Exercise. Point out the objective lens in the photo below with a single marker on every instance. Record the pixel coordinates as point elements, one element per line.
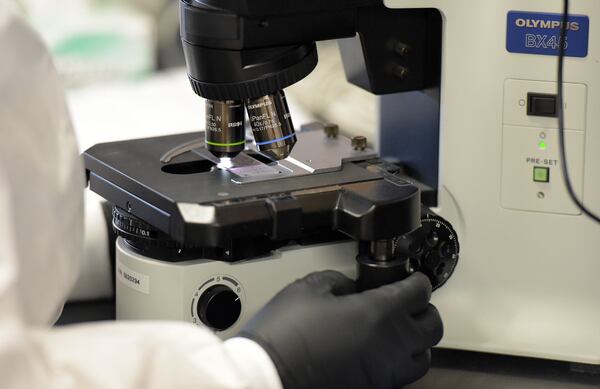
<point>225,135</point>
<point>272,125</point>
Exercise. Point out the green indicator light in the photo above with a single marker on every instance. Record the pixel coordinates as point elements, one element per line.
<point>542,145</point>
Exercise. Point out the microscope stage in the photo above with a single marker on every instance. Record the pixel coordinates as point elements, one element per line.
<point>324,186</point>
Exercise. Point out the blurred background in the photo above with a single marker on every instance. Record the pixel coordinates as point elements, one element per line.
<point>123,67</point>
<point>95,41</point>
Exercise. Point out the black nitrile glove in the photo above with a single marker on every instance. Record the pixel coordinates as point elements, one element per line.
<point>322,334</point>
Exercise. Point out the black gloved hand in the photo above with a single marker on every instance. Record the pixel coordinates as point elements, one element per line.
<point>321,334</point>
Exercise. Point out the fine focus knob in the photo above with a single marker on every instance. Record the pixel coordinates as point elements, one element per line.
<point>219,307</point>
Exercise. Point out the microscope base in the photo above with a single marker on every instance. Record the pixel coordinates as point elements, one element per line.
<point>214,293</point>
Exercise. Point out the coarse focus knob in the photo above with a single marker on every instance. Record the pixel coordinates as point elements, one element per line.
<point>219,307</point>
<point>148,240</point>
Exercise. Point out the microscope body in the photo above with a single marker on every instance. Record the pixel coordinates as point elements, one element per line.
<point>457,115</point>
<point>464,80</point>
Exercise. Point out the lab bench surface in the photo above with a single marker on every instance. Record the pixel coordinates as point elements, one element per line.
<point>451,369</point>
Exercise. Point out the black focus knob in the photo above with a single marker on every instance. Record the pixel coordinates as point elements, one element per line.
<point>432,249</point>
<point>219,307</point>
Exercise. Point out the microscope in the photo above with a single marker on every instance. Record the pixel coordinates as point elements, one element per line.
<point>213,224</point>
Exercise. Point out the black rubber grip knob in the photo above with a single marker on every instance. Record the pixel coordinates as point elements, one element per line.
<point>219,307</point>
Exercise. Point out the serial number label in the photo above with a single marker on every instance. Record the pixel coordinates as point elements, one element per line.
<point>132,279</point>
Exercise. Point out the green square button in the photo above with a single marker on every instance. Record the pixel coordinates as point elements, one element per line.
<point>541,174</point>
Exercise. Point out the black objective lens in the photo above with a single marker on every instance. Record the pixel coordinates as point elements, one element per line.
<point>225,134</point>
<point>272,125</point>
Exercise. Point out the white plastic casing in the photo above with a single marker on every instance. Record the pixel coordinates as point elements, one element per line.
<point>148,289</point>
<point>527,282</point>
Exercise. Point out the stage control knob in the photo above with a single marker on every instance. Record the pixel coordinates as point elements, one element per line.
<point>219,307</point>
<point>432,249</point>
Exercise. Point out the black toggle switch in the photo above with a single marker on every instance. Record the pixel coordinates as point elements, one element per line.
<point>540,104</point>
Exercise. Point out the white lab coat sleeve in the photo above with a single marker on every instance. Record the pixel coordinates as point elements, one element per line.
<point>41,235</point>
<point>133,355</point>
<point>139,355</point>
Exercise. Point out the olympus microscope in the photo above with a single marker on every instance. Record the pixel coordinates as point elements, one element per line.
<point>213,224</point>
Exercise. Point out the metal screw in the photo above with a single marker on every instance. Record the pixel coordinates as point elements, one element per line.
<point>401,49</point>
<point>400,72</point>
<point>331,130</point>
<point>359,143</point>
<point>541,195</point>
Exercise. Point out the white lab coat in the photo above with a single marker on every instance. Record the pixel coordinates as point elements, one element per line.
<point>41,235</point>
